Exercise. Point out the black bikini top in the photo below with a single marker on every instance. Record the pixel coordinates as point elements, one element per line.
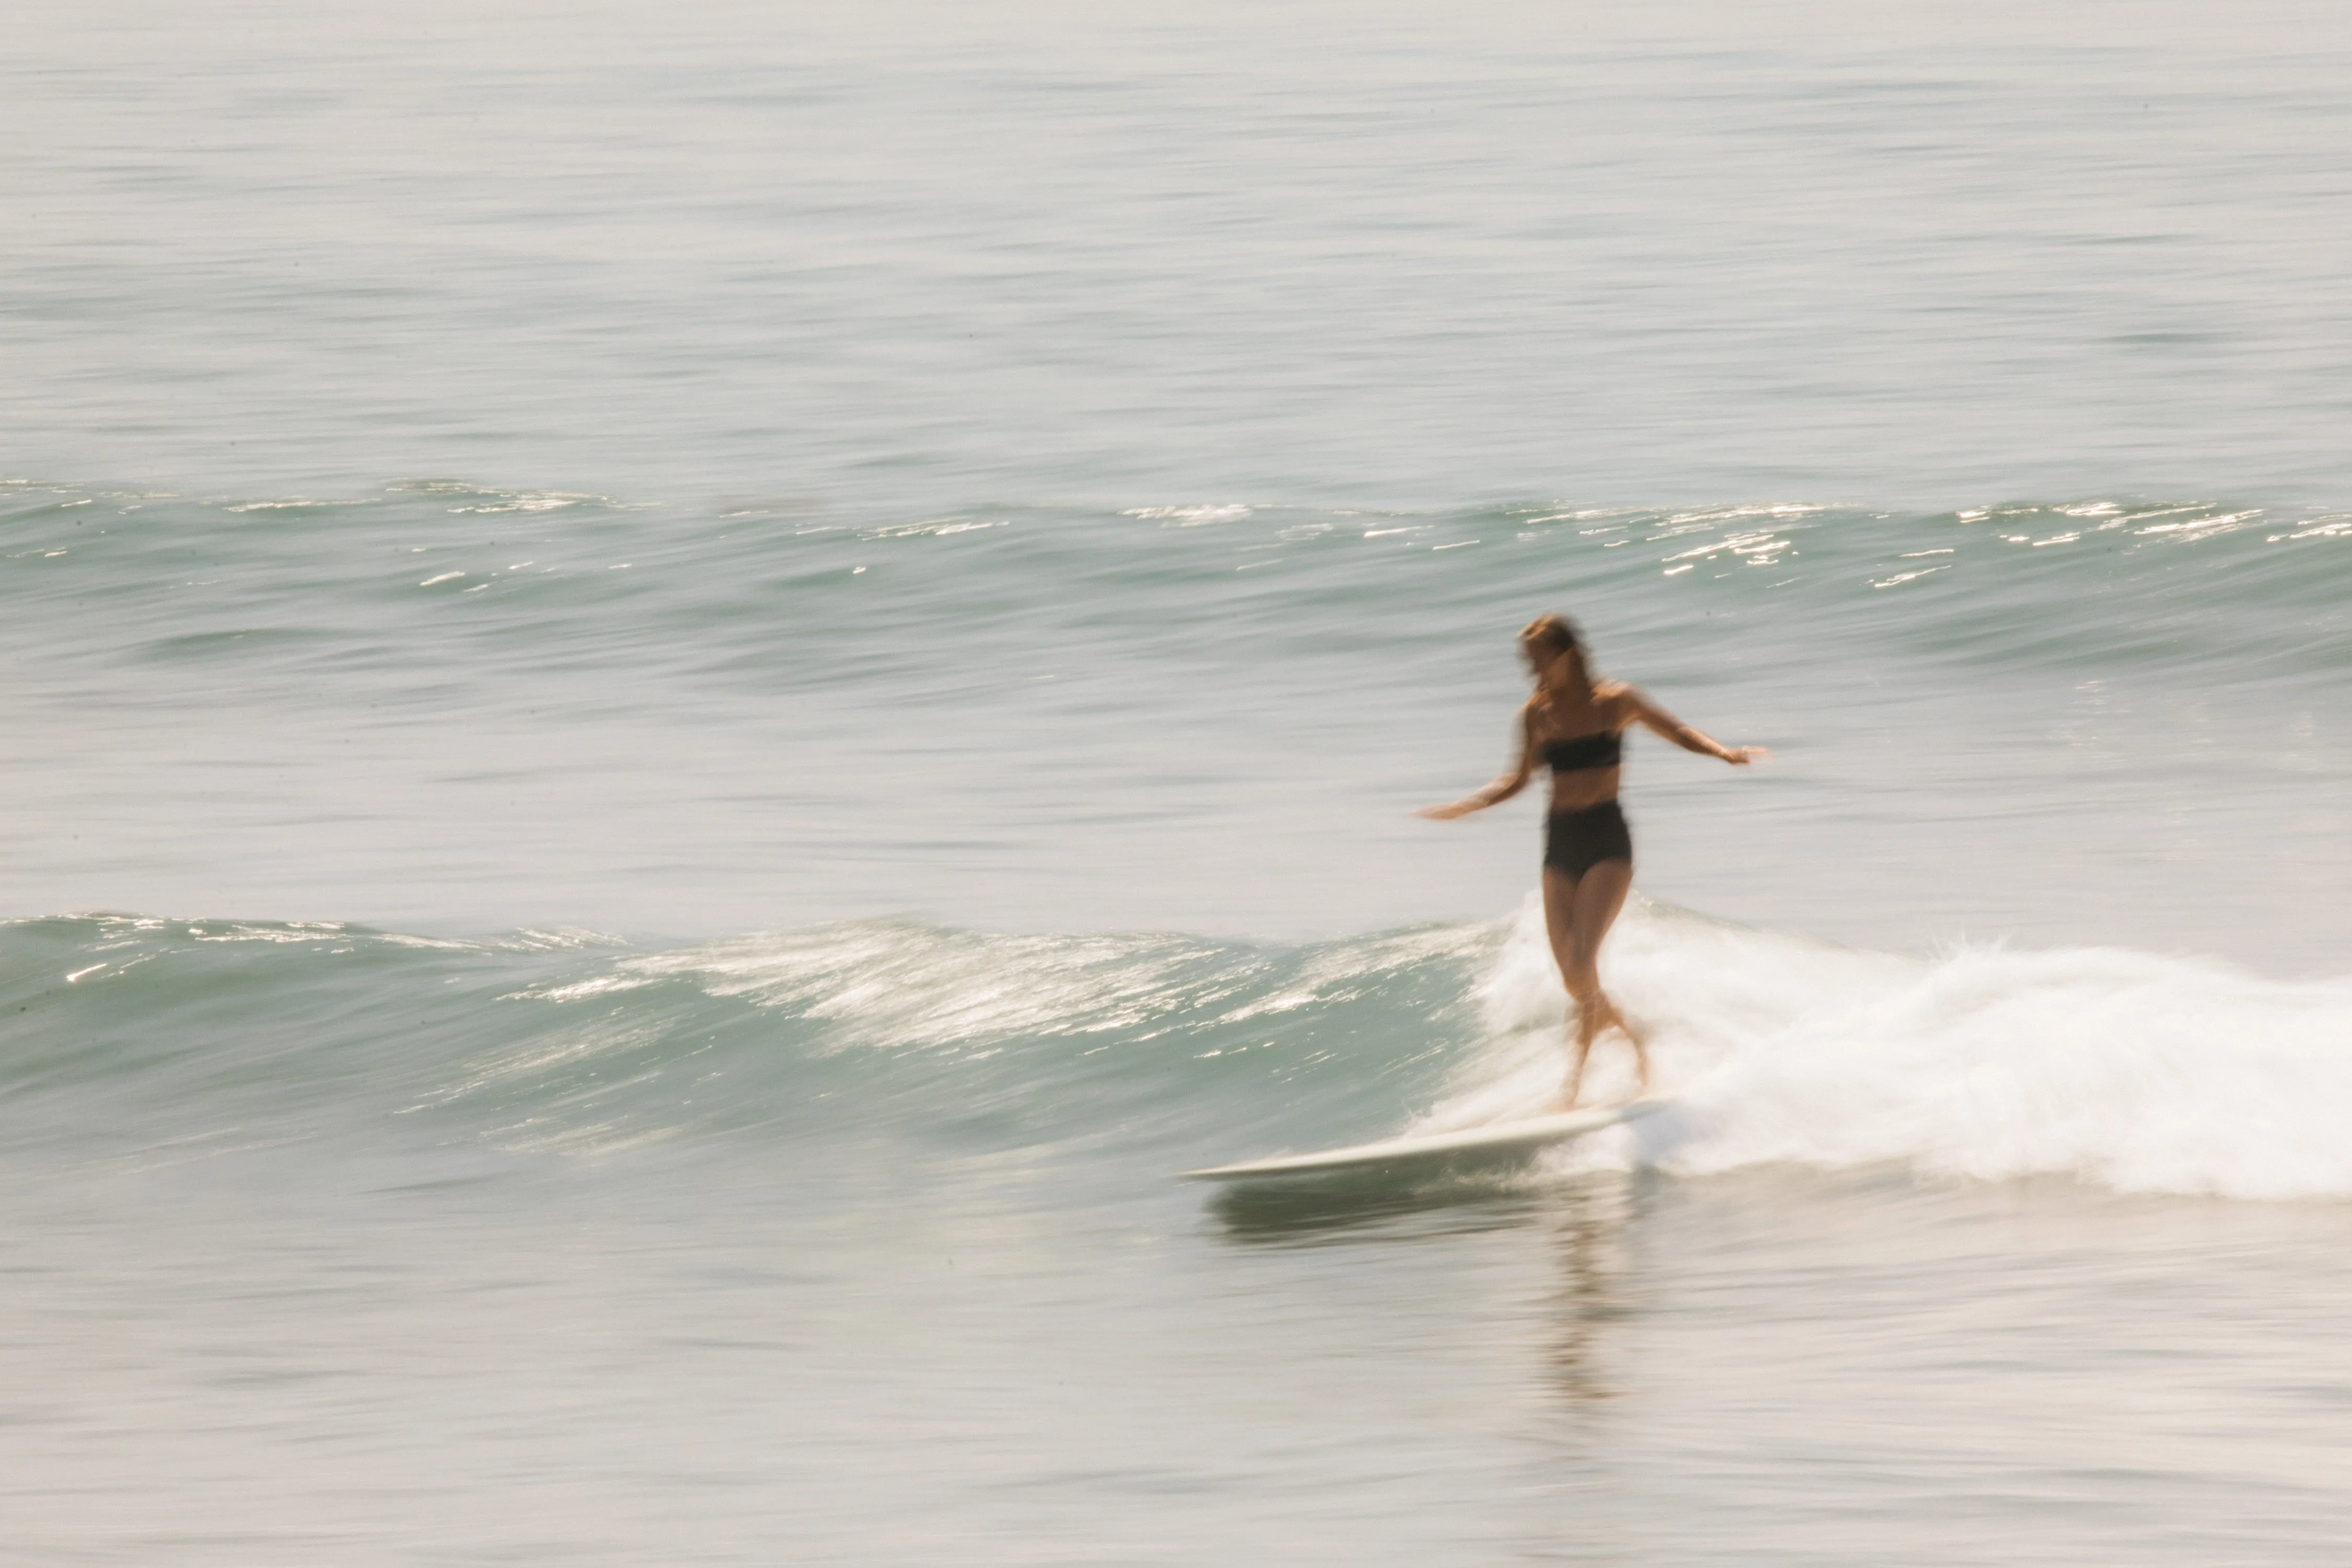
<point>1605,749</point>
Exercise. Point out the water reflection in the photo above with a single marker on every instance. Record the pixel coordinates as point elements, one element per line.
<point>1583,1277</point>
<point>1594,1285</point>
<point>1371,1207</point>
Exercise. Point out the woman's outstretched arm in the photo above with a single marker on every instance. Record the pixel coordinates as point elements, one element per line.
<point>1659,722</point>
<point>1501,788</point>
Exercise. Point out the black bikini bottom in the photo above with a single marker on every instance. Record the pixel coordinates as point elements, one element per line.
<point>1577,841</point>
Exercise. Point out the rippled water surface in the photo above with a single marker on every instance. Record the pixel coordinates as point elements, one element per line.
<point>689,691</point>
<point>1382,254</point>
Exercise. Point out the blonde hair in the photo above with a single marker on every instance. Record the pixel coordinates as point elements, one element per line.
<point>1550,636</point>
<point>1557,633</point>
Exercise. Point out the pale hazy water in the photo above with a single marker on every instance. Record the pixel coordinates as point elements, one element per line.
<point>498,506</point>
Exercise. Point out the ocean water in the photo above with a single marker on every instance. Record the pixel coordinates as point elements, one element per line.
<point>690,692</point>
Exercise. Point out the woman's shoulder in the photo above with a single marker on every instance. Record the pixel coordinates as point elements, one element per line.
<point>1618,699</point>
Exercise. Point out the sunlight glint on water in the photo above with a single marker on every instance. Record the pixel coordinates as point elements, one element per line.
<point>722,676</point>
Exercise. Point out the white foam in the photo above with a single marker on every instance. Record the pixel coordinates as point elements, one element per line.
<point>2138,1072</point>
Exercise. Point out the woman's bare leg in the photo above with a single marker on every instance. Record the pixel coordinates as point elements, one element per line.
<point>1578,913</point>
<point>1560,924</point>
<point>1600,899</point>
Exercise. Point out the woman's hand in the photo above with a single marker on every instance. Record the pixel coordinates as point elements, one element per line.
<point>1740,756</point>
<point>1501,789</point>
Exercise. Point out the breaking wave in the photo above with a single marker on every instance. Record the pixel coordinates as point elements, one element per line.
<point>139,1039</point>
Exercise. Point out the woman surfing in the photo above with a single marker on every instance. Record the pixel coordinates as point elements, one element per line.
<point>1575,725</point>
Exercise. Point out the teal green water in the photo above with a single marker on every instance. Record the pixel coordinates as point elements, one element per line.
<point>688,693</point>
<point>858,1241</point>
<point>464,711</point>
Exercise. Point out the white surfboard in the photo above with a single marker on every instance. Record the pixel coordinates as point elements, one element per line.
<point>1502,1138</point>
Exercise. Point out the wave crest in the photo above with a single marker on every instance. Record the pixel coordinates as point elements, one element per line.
<point>2134,1071</point>
<point>2138,1072</point>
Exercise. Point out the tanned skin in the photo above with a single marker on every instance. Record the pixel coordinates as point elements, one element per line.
<point>1569,704</point>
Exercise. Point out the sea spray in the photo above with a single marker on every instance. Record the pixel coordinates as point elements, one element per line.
<point>2134,1071</point>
